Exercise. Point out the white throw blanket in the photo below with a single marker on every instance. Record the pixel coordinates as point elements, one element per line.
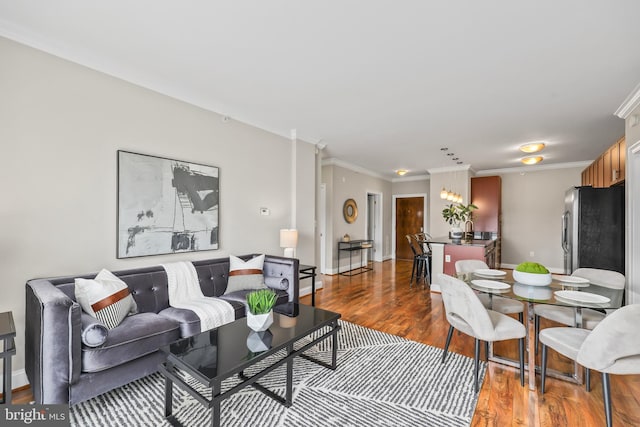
<point>185,292</point>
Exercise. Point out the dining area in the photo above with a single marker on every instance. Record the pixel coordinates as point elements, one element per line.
<point>565,326</point>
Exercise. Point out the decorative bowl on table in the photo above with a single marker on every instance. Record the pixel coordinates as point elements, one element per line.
<point>532,274</point>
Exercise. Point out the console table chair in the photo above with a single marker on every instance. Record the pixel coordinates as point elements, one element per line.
<point>467,314</point>
<point>611,348</point>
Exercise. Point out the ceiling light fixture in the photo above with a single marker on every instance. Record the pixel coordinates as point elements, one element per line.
<point>532,160</point>
<point>533,147</point>
<point>401,172</point>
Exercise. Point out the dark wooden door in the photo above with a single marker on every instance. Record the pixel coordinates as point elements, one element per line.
<point>409,220</point>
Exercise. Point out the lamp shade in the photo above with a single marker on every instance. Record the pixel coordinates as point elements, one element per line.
<point>288,238</point>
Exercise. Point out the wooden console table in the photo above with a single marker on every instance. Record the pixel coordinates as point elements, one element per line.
<point>7,335</point>
<point>355,245</point>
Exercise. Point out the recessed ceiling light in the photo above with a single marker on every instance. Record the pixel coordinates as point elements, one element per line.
<point>534,147</point>
<point>531,160</point>
<point>402,172</point>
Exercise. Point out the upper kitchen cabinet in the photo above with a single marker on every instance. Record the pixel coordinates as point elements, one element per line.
<point>486,194</point>
<point>608,169</point>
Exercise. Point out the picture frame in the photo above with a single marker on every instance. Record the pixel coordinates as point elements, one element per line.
<point>166,206</point>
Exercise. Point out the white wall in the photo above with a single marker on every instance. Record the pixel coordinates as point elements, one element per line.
<point>459,181</point>
<point>60,127</point>
<point>532,206</point>
<point>343,184</point>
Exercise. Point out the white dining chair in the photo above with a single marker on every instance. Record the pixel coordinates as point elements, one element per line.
<point>493,302</point>
<point>611,348</point>
<point>567,315</point>
<point>467,314</point>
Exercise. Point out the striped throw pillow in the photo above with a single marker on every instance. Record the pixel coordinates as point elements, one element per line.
<point>244,275</point>
<point>105,298</point>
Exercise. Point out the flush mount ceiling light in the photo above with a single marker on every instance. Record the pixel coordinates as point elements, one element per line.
<point>534,147</point>
<point>532,160</point>
<point>401,172</point>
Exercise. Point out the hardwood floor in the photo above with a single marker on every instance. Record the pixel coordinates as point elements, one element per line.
<point>383,300</point>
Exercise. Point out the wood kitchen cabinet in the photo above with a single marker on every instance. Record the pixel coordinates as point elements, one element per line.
<point>609,168</point>
<point>486,194</point>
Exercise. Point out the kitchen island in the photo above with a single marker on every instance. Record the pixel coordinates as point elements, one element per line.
<point>446,251</point>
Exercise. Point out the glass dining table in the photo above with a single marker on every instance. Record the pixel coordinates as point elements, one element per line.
<point>564,291</point>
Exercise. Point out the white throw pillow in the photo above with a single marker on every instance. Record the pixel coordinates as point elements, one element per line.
<point>106,298</point>
<point>245,275</point>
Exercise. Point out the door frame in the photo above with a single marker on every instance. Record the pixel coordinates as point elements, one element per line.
<point>322,227</point>
<point>377,239</point>
<point>425,217</point>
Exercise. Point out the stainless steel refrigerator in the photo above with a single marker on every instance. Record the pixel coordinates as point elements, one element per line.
<point>593,228</point>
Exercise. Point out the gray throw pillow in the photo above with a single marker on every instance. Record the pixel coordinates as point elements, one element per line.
<point>279,283</point>
<point>94,332</point>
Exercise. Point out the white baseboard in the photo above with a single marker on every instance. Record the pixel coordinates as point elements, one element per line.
<point>345,268</point>
<point>18,379</point>
<point>307,289</point>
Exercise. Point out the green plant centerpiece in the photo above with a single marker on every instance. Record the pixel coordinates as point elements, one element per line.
<point>260,309</point>
<point>456,214</point>
<point>532,274</point>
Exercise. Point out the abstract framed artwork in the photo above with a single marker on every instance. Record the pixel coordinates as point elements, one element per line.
<point>166,206</point>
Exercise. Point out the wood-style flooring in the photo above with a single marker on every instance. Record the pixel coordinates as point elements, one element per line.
<point>382,299</point>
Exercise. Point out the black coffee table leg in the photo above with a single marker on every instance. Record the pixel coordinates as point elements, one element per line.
<point>168,393</point>
<point>215,407</point>
<point>289,392</point>
<point>334,350</point>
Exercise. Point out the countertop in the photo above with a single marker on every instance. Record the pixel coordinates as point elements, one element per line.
<point>461,242</point>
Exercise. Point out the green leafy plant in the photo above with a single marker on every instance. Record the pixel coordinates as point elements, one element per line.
<point>532,267</point>
<point>457,213</point>
<point>261,301</point>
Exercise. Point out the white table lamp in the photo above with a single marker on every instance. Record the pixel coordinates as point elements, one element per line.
<point>289,241</point>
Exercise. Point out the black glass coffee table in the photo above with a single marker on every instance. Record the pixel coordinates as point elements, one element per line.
<point>216,355</point>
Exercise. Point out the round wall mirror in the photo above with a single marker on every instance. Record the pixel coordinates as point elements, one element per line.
<point>350,211</point>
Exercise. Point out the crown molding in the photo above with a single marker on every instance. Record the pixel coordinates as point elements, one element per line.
<point>534,168</point>
<point>629,104</point>
<point>411,178</point>
<point>355,168</point>
<point>450,169</point>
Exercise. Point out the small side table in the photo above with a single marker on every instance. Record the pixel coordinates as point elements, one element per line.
<point>7,335</point>
<point>309,272</point>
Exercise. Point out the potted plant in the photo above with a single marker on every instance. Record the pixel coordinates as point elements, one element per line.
<point>456,214</point>
<point>260,309</point>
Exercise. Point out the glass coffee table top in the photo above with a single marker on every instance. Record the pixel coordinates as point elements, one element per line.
<point>231,348</point>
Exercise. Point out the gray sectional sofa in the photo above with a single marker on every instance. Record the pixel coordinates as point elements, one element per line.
<point>62,369</point>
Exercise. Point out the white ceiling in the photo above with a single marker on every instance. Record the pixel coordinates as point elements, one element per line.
<point>384,84</point>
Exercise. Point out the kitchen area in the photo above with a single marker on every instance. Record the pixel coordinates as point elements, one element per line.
<point>521,216</point>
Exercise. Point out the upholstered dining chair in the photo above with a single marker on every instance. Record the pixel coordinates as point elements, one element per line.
<point>611,348</point>
<point>567,315</point>
<point>420,261</point>
<point>496,303</point>
<point>467,314</point>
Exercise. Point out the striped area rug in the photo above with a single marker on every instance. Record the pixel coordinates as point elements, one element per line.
<point>381,380</point>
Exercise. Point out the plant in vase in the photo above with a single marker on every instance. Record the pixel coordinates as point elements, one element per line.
<point>260,309</point>
<point>456,214</point>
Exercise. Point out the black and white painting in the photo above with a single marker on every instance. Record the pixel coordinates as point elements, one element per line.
<point>166,206</point>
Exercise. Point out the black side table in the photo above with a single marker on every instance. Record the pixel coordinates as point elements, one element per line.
<point>7,335</point>
<point>309,272</point>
